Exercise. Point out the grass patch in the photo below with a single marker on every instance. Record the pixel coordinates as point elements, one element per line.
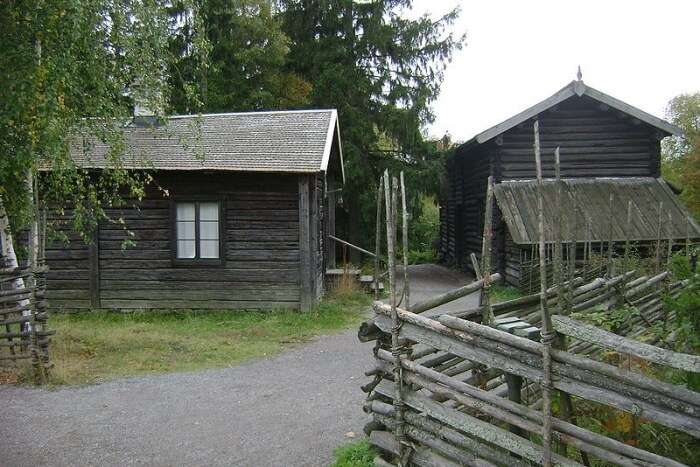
<point>91,347</point>
<point>357,454</point>
<point>502,293</point>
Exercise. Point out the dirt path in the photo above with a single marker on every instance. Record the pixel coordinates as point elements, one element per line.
<point>264,413</point>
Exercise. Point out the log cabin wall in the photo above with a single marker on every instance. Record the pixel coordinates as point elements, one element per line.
<point>462,211</point>
<point>261,249</point>
<point>594,140</point>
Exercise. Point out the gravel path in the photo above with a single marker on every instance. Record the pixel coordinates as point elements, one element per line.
<point>267,412</point>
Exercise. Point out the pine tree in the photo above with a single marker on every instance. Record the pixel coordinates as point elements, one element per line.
<point>382,71</point>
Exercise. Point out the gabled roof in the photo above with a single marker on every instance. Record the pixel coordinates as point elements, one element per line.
<point>591,196</point>
<point>575,88</point>
<point>296,141</point>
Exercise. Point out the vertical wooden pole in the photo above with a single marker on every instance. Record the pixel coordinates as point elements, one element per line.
<point>390,191</point>
<point>487,317</point>
<point>304,245</point>
<point>657,263</point>
<point>330,230</point>
<point>611,233</point>
<point>547,334</point>
<point>404,209</point>
<point>669,254</point>
<point>378,239</point>
<point>628,233</point>
<point>687,239</point>
<point>314,225</point>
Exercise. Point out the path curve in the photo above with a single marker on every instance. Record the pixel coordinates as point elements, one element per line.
<point>289,410</point>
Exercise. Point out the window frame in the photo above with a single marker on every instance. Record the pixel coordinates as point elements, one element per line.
<point>197,261</point>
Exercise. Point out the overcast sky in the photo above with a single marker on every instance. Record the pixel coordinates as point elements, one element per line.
<point>520,52</point>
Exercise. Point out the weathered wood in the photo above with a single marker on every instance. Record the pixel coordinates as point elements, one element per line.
<point>487,316</point>
<point>305,272</point>
<point>576,375</point>
<point>606,339</point>
<point>422,457</point>
<point>378,239</point>
<point>452,295</point>
<point>447,433</point>
<point>546,323</point>
<point>563,427</point>
<point>404,229</point>
<point>354,247</point>
<point>473,426</point>
<point>95,269</point>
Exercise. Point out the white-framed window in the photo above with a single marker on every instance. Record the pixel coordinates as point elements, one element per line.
<point>198,228</point>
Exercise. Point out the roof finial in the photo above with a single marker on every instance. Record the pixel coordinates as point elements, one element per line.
<point>579,75</point>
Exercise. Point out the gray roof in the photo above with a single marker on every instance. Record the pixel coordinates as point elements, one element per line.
<point>297,141</point>
<point>575,88</point>
<point>518,202</point>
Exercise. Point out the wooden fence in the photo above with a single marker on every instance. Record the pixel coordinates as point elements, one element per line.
<point>23,315</point>
<point>453,380</point>
<point>478,386</point>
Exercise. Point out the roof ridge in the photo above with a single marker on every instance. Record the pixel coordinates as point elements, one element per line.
<point>251,112</point>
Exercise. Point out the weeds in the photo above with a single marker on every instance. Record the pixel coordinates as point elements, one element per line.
<point>358,454</point>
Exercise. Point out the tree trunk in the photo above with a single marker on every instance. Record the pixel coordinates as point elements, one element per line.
<point>8,255</point>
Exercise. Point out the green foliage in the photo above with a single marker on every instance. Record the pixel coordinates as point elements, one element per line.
<point>686,306</point>
<point>75,67</point>
<point>358,454</point>
<point>381,70</point>
<point>502,293</point>
<point>610,320</point>
<point>681,155</point>
<point>247,58</point>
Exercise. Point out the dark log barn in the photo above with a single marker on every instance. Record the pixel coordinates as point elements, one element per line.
<point>605,144</point>
<point>238,216</point>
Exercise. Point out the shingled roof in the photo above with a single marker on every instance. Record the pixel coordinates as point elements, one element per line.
<point>518,202</point>
<point>298,141</point>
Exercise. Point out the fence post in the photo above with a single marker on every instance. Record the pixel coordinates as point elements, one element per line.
<point>378,239</point>
<point>547,334</point>
<point>406,288</point>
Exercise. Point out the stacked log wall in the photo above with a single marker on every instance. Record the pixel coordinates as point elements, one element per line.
<point>594,141</point>
<point>261,250</point>
<point>69,259</point>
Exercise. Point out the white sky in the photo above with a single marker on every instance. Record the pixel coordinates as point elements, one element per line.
<point>520,52</point>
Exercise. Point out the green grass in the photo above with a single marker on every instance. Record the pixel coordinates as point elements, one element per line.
<point>502,293</point>
<point>358,454</point>
<point>91,347</point>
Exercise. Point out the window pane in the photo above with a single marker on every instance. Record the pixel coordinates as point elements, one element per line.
<point>209,211</point>
<point>185,230</point>
<point>185,212</point>
<point>208,230</point>
<point>209,249</point>
<point>185,248</point>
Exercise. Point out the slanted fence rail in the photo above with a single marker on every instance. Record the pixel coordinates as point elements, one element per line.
<point>478,386</point>
<point>459,412</point>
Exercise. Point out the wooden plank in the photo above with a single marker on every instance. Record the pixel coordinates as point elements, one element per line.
<point>305,271</point>
<point>588,333</point>
<point>196,304</point>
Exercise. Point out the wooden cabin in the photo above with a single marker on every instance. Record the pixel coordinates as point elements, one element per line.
<point>606,146</point>
<point>237,217</point>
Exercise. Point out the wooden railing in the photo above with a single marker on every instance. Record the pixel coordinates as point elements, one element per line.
<point>459,410</point>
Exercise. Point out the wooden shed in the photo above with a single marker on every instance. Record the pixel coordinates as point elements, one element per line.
<point>605,145</point>
<point>238,216</point>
